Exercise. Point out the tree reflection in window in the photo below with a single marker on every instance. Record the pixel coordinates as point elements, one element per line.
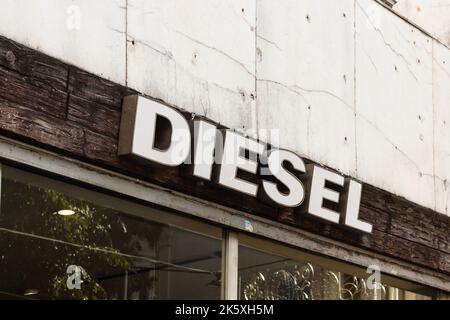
<point>121,256</point>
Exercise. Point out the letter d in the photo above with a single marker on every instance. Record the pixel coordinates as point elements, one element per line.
<point>140,135</point>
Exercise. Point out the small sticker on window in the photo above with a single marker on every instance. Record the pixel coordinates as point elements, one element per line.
<point>248,226</point>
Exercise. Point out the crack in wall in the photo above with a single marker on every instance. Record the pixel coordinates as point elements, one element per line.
<point>284,86</point>
<point>371,124</point>
<point>273,43</point>
<point>169,56</point>
<point>223,53</point>
<point>387,44</point>
<point>146,44</point>
<point>241,17</point>
<point>302,89</point>
<point>370,59</point>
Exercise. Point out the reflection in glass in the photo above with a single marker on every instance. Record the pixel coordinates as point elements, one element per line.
<point>265,276</point>
<point>120,255</point>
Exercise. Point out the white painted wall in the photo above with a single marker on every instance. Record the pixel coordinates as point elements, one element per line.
<point>305,84</point>
<point>347,83</point>
<point>431,15</point>
<point>441,102</point>
<point>394,123</point>
<point>197,55</point>
<point>89,34</point>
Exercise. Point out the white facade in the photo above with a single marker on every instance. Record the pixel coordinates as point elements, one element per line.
<point>431,15</point>
<point>348,83</point>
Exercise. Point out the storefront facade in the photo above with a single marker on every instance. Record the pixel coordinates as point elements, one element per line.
<point>91,208</point>
<point>137,241</point>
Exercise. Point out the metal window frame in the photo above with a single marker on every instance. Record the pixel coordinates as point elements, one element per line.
<point>13,152</point>
<point>230,253</point>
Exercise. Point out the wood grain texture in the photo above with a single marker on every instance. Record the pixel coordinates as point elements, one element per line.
<point>59,107</point>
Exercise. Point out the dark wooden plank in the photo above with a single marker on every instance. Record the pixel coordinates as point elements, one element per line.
<point>30,63</point>
<point>400,217</point>
<point>380,242</point>
<point>94,116</point>
<point>35,126</point>
<point>97,90</point>
<point>95,103</point>
<point>423,225</point>
<point>34,98</point>
<point>32,93</point>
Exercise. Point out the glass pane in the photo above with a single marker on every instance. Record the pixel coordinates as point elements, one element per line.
<point>59,241</point>
<point>266,276</point>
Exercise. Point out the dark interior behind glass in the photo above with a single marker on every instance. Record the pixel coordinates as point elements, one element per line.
<point>118,255</point>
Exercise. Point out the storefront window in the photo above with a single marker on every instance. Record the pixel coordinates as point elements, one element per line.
<point>264,275</point>
<point>59,241</point>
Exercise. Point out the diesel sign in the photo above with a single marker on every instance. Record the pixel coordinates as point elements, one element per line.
<point>157,133</point>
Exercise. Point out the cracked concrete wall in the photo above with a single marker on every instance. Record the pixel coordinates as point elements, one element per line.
<point>306,78</point>
<point>197,55</point>
<point>346,83</point>
<point>431,15</point>
<point>441,104</point>
<point>394,107</point>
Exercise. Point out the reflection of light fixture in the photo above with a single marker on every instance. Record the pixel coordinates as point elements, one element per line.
<point>31,292</point>
<point>66,212</point>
